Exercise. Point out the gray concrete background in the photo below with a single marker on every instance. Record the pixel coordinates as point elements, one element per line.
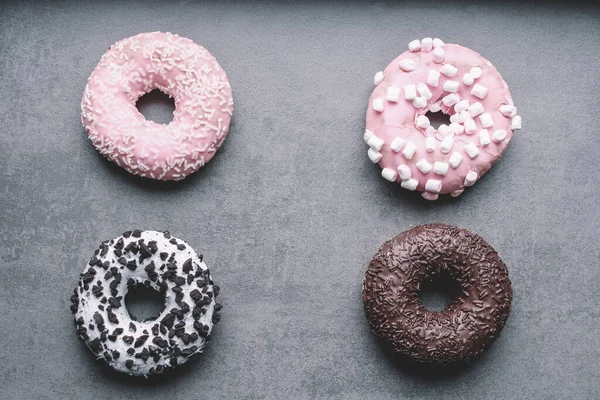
<point>290,210</point>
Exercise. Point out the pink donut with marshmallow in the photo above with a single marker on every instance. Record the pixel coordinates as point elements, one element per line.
<point>434,76</point>
<point>178,67</point>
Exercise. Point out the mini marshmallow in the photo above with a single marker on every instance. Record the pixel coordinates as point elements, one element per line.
<point>454,117</point>
<point>420,102</point>
<point>424,165</point>
<point>393,94</point>
<point>430,131</point>
<point>423,122</point>
<point>468,79</point>
<point>433,78</point>
<point>471,178</point>
<point>437,43</point>
<point>378,78</point>
<point>451,86</point>
<point>484,137</point>
<point>430,196</point>
<point>409,150</point>
<point>456,128</point>
<point>507,110</point>
<point>374,156</point>
<point>470,127</point>
<point>404,172</point>
<point>479,91</point>
<point>475,109</point>
<point>397,144</point>
<point>439,55</point>
<point>410,92</point>
<point>375,143</point>
<point>486,120</point>
<point>389,174</point>
<point>450,99</point>
<point>415,45</point>
<point>447,144</point>
<point>455,159</point>
<point>462,105</point>
<point>444,130</point>
<point>433,185</point>
<point>378,105</point>
<point>475,72</point>
<point>410,184</point>
<point>515,122</point>
<point>435,107</point>
<point>426,44</point>
<point>464,116</point>
<point>430,144</point>
<point>456,193</point>
<point>449,70</point>
<point>424,91</point>
<point>499,136</point>
<point>440,168</point>
<point>471,150</point>
<point>407,65</point>
<point>368,135</point>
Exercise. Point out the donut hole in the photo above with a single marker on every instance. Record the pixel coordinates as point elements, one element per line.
<point>438,292</point>
<point>156,106</point>
<point>437,118</point>
<point>144,303</point>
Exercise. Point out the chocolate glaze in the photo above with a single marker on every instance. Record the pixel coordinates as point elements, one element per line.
<point>469,324</point>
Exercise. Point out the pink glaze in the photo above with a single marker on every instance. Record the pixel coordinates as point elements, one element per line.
<point>176,66</point>
<point>398,119</point>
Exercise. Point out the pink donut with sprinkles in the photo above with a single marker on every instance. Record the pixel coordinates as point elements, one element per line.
<point>181,69</point>
<point>434,76</point>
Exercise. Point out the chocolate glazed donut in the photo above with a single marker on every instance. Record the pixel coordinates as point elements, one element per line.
<point>468,325</point>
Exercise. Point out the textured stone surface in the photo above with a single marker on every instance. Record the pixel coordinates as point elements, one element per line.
<point>290,211</point>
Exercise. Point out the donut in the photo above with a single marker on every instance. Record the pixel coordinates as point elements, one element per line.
<point>430,77</point>
<point>181,69</point>
<point>468,325</point>
<point>161,262</point>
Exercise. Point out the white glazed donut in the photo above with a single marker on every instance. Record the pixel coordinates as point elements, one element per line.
<point>159,261</point>
<point>178,67</point>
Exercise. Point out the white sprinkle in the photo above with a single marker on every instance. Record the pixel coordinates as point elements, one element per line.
<point>476,72</point>
<point>456,128</point>
<point>449,70</point>
<point>447,144</point>
<point>499,136</point>
<point>486,120</point>
<point>430,196</point>
<point>470,127</point>
<point>451,86</point>
<point>424,91</point>
<point>375,143</point>
<point>378,78</point>
<point>440,168</point>
<point>468,79</point>
<point>430,144</point>
<point>484,137</point>
<point>368,135</point>
<point>438,55</point>
<point>410,92</point>
<point>410,184</point>
<point>415,45</point>
<point>515,122</point>
<point>404,172</point>
<point>407,64</point>
<point>433,78</point>
<point>457,193</point>
<point>393,94</point>
<point>389,174</point>
<point>471,150</point>
<point>471,178</point>
<point>437,43</point>
<point>426,44</point>
<point>423,122</point>
<point>455,159</point>
<point>444,130</point>
<point>475,109</point>
<point>397,144</point>
<point>461,106</point>
<point>424,166</point>
<point>450,99</point>
<point>378,105</point>
<point>508,110</point>
<point>435,107</point>
<point>479,91</point>
<point>420,102</point>
<point>433,185</point>
<point>374,156</point>
<point>409,150</point>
